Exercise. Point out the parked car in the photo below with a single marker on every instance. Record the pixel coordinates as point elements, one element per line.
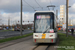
<point>1,28</point>
<point>4,28</point>
<point>18,29</point>
<point>11,28</point>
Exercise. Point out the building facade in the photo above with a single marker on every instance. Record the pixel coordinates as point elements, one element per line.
<point>62,15</point>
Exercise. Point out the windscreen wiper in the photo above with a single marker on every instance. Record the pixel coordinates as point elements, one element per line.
<point>46,30</point>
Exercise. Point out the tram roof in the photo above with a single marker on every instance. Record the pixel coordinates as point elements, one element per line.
<point>45,11</point>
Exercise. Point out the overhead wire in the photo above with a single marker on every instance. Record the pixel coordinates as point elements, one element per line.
<point>48,9</point>
<point>50,2</point>
<point>30,5</point>
<point>39,4</point>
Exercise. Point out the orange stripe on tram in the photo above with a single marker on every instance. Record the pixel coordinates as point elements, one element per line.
<point>43,36</point>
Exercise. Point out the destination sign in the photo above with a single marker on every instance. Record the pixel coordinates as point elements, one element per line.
<point>43,16</point>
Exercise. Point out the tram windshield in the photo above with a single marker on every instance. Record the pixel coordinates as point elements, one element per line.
<point>43,23</point>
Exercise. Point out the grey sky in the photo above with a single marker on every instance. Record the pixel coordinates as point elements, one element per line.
<point>11,8</point>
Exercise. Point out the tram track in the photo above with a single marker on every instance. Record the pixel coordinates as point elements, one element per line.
<point>42,47</point>
<point>46,46</point>
<point>35,47</point>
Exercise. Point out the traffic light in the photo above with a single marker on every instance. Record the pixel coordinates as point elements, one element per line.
<point>23,21</point>
<point>18,21</point>
<point>28,21</point>
<point>33,21</point>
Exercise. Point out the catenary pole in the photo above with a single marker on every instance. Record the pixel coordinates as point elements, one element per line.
<point>67,18</point>
<point>21,19</point>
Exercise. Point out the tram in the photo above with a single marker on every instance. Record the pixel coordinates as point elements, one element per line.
<point>45,30</point>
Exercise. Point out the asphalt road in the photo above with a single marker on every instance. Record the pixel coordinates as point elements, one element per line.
<point>26,44</point>
<point>13,33</point>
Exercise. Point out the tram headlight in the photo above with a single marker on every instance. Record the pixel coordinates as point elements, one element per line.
<point>36,35</point>
<point>50,35</point>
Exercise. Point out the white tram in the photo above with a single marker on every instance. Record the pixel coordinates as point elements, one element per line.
<point>45,30</point>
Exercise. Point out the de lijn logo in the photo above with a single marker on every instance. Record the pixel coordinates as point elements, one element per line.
<point>38,17</point>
